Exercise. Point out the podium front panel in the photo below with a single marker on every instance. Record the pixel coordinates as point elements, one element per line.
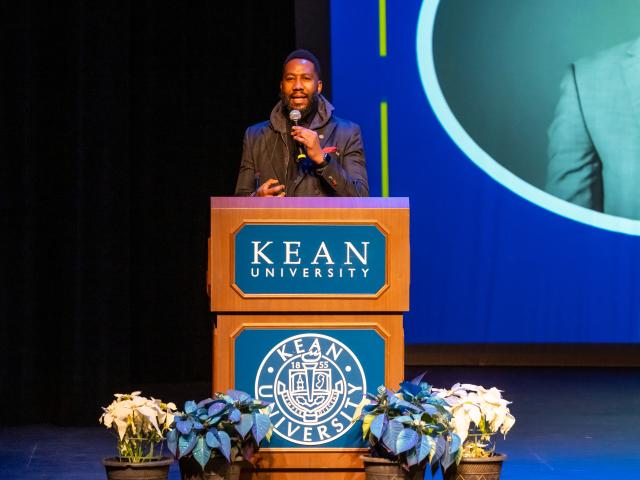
<point>309,255</point>
<point>314,370</point>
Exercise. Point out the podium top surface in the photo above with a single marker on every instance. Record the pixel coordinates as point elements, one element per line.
<point>309,202</point>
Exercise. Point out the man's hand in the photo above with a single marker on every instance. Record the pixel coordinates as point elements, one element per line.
<point>309,138</point>
<point>270,188</point>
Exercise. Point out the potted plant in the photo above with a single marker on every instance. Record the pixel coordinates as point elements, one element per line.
<point>139,424</point>
<point>211,437</point>
<point>478,415</point>
<point>406,430</point>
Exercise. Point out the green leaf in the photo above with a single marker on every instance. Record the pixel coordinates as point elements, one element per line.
<point>216,408</point>
<point>172,441</point>
<point>190,407</point>
<point>239,396</point>
<point>390,435</point>
<point>409,389</point>
<point>435,400</point>
<point>186,443</point>
<point>225,445</point>
<point>234,415</point>
<point>441,446</point>
<point>366,424</point>
<point>418,380</point>
<point>201,452</point>
<point>244,425</point>
<point>212,439</point>
<point>405,405</point>
<point>430,409</point>
<point>412,458</point>
<point>404,419</point>
<point>378,425</point>
<point>455,443</point>
<point>424,447</point>
<point>184,426</point>
<point>407,439</point>
<point>448,458</point>
<point>197,426</point>
<point>203,403</point>
<point>261,424</point>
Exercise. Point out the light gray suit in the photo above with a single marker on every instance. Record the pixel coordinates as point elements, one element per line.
<point>594,140</point>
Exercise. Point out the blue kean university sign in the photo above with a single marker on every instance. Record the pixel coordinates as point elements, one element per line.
<point>310,259</point>
<point>313,380</point>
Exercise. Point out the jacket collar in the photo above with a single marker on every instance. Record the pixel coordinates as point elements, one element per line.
<point>320,119</point>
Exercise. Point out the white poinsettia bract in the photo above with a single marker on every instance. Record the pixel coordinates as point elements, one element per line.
<point>138,422</point>
<point>477,414</point>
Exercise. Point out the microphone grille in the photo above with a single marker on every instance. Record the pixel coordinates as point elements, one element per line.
<point>295,115</point>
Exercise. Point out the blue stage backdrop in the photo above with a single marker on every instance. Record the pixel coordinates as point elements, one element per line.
<point>494,257</point>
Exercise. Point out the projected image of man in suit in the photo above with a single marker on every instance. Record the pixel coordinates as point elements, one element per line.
<point>594,139</point>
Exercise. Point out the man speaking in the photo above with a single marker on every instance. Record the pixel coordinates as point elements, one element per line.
<point>303,150</point>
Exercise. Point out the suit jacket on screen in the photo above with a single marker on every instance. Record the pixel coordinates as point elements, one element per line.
<point>594,140</point>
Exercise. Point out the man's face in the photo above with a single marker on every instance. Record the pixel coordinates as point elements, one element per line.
<point>300,85</point>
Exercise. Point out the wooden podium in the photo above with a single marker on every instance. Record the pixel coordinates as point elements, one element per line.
<point>309,295</point>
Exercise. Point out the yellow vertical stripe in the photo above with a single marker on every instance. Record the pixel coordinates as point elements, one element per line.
<point>384,148</point>
<point>382,27</point>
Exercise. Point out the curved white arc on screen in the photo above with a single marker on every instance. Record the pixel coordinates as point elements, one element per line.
<point>431,86</point>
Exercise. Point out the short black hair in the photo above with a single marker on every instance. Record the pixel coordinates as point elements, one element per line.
<point>306,55</point>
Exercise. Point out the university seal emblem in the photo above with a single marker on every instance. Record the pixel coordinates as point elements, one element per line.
<point>314,383</point>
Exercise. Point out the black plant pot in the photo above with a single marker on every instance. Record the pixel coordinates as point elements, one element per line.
<point>217,468</point>
<point>487,468</point>
<point>152,470</point>
<point>383,469</point>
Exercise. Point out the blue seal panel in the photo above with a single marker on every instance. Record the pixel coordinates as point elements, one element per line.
<point>313,380</point>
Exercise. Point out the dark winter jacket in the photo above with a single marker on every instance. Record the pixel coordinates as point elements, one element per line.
<point>267,153</point>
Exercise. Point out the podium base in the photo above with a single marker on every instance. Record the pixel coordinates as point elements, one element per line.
<point>291,463</point>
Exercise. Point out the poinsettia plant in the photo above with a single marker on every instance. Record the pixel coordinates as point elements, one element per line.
<point>231,425</point>
<point>139,423</point>
<point>409,426</point>
<point>477,415</point>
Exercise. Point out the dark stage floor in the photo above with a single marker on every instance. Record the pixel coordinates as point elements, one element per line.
<point>572,424</point>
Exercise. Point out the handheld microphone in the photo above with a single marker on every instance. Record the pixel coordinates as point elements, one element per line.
<point>295,116</point>
<point>257,179</point>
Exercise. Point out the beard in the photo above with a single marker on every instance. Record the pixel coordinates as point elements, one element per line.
<point>311,107</point>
